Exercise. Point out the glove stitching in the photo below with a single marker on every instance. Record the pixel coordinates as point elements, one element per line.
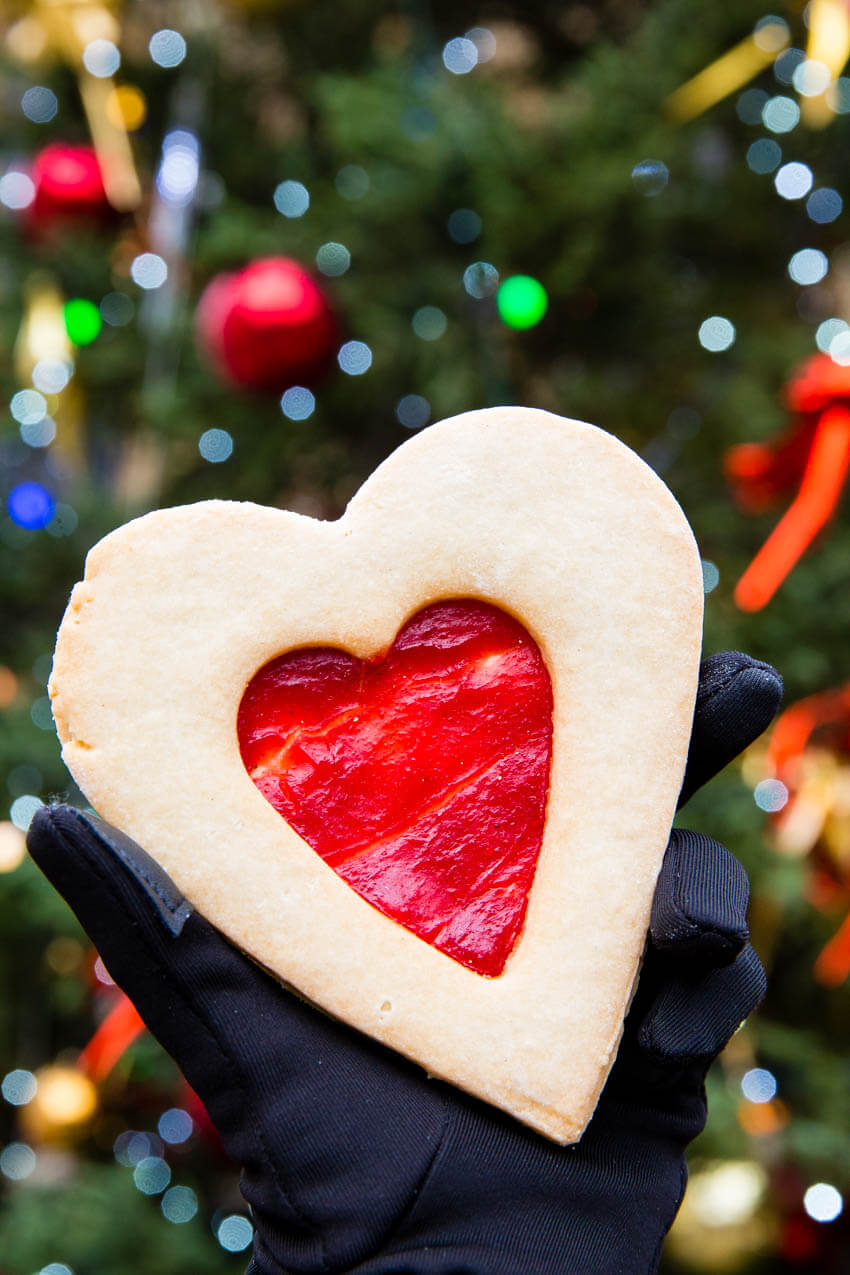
<point>417,1193</point>
<point>169,978</point>
<point>132,866</point>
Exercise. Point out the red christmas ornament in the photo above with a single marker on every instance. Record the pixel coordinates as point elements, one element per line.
<point>68,188</point>
<point>267,326</point>
<point>814,454</point>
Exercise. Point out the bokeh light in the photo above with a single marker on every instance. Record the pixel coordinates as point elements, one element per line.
<point>291,198</point>
<point>28,407</point>
<point>823,1202</point>
<point>758,1085</point>
<point>460,56</point>
<point>83,320</point>
<point>215,445</point>
<point>151,1175</point>
<point>167,47</point>
<point>650,176</point>
<point>710,576</point>
<point>117,309</point>
<point>23,810</point>
<point>126,107</point>
<point>413,411</point>
<point>429,323</point>
<point>824,205</point>
<point>827,331</point>
<point>17,1161</point>
<point>234,1233</point>
<point>41,434</point>
<point>298,403</point>
<point>101,58</point>
<point>177,176</point>
<point>19,1087</point>
<point>13,846</point>
<point>770,795</point>
<point>811,78</point>
<point>764,156</point>
<point>333,259</point>
<point>40,104</point>
<point>175,1126</point>
<point>179,1204</point>
<point>480,280</point>
<point>148,270</point>
<point>30,505</point>
<point>750,105</point>
<point>808,266</point>
<point>352,182</point>
<point>464,225</point>
<point>786,64</point>
<point>16,190</point>
<point>354,357</point>
<point>52,375</point>
<point>780,114</point>
<point>716,333</point>
<point>793,181</point>
<point>522,301</point>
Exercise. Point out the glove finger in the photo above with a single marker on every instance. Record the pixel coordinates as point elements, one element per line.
<point>692,1019</point>
<point>737,699</point>
<point>699,911</point>
<point>286,1085</point>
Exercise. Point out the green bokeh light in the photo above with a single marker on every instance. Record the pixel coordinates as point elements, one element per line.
<point>82,320</point>
<point>522,301</point>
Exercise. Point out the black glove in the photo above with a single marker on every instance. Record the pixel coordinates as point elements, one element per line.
<point>353,1159</point>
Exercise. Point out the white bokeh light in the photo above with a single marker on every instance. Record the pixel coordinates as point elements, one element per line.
<point>149,271</point>
<point>770,795</point>
<point>460,56</point>
<point>101,58</point>
<point>823,1202</point>
<point>16,190</point>
<point>716,334</point>
<point>808,266</point>
<point>167,47</point>
<point>793,181</point>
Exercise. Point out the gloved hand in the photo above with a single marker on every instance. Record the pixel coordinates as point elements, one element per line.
<point>353,1159</point>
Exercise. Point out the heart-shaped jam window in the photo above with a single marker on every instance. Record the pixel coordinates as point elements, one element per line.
<point>420,776</point>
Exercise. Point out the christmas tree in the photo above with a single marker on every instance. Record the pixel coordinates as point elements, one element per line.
<point>245,251</point>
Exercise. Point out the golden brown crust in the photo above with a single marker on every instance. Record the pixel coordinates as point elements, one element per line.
<point>553,520</point>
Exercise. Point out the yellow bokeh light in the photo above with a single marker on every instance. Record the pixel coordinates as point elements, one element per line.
<point>8,686</point>
<point>126,107</point>
<point>63,1106</point>
<point>13,847</point>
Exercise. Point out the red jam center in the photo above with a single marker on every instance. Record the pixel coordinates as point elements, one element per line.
<point>419,777</point>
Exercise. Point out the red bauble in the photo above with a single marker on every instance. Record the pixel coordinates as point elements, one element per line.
<point>267,326</point>
<point>68,188</point>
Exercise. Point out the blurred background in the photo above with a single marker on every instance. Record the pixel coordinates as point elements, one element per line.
<point>246,249</point>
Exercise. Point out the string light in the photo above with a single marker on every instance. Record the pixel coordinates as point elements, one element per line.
<point>793,181</point>
<point>710,576</point>
<point>824,205</point>
<point>117,309</point>
<point>758,1084</point>
<point>151,1175</point>
<point>780,114</point>
<point>28,407</point>
<point>175,1126</point>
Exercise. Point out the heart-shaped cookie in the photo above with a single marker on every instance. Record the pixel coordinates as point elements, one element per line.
<point>570,547</point>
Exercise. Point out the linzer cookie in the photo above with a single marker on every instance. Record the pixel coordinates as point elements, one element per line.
<point>421,762</point>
